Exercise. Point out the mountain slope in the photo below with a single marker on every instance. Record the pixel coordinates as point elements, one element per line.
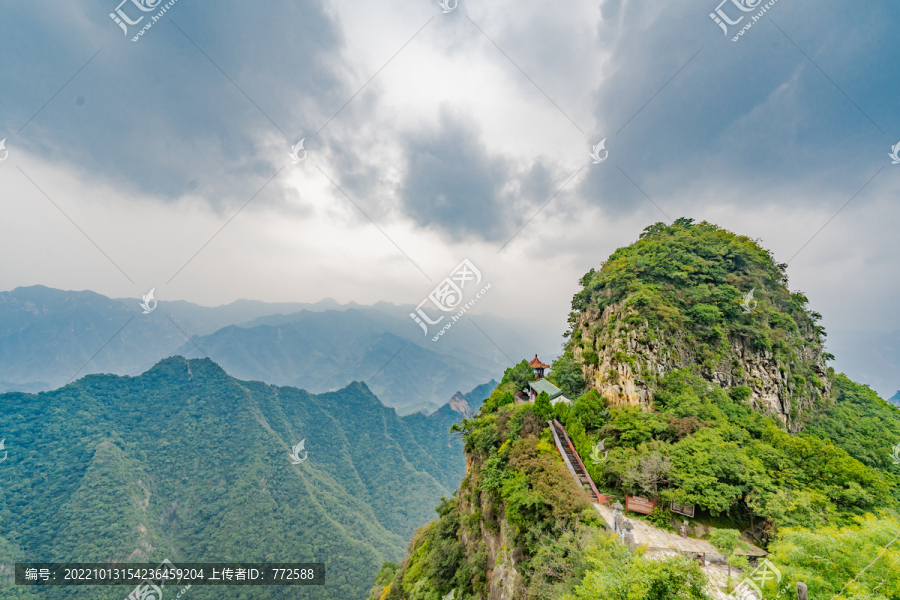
<point>186,463</point>
<point>696,296</point>
<point>691,400</point>
<point>433,431</point>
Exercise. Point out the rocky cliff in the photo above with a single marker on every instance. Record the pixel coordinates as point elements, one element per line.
<point>697,297</point>
<point>491,536</point>
<point>631,356</point>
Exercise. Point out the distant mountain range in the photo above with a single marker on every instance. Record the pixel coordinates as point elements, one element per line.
<point>49,337</point>
<point>326,350</point>
<point>187,463</point>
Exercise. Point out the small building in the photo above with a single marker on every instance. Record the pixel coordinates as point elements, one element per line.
<point>542,385</point>
<point>538,367</point>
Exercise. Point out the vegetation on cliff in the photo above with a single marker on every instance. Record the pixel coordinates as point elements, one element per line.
<point>810,477</point>
<point>695,295</point>
<point>519,522</point>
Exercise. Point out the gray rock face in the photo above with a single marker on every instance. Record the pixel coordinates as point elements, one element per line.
<point>631,357</point>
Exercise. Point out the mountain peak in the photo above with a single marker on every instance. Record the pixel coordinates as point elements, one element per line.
<point>459,404</point>
<point>696,296</point>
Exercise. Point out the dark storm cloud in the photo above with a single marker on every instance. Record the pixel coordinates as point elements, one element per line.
<point>756,112</point>
<point>454,183</point>
<point>157,116</point>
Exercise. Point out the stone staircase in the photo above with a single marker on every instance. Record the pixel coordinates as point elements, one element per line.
<point>573,462</point>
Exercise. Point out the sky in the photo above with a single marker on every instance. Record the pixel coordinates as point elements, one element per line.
<point>432,134</point>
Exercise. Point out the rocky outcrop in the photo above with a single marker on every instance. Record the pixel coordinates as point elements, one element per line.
<point>504,580</point>
<point>458,403</point>
<point>631,357</point>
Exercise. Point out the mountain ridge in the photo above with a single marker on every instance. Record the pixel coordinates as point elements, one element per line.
<point>189,463</point>
<point>49,336</point>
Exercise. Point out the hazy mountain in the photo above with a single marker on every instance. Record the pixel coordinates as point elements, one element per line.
<point>433,431</point>
<point>187,463</point>
<point>323,351</point>
<point>49,336</point>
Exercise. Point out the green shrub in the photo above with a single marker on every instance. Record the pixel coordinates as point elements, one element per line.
<point>740,393</point>
<point>590,410</point>
<point>705,314</point>
<point>615,573</point>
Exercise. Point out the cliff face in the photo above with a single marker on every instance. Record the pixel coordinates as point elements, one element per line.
<point>497,538</point>
<point>632,355</point>
<point>492,535</point>
<point>678,299</point>
<point>459,404</point>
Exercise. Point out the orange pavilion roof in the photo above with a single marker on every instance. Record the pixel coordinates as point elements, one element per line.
<point>537,364</point>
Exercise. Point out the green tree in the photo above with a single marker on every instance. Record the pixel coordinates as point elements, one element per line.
<point>543,408</point>
<point>519,376</point>
<point>618,574</point>
<point>506,398</point>
<point>566,373</point>
<point>725,541</point>
<point>836,560</point>
<point>590,409</point>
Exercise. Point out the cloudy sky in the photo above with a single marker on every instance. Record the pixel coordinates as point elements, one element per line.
<point>435,136</point>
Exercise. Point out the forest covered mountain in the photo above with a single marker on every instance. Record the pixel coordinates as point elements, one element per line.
<point>187,463</point>
<point>701,394</point>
